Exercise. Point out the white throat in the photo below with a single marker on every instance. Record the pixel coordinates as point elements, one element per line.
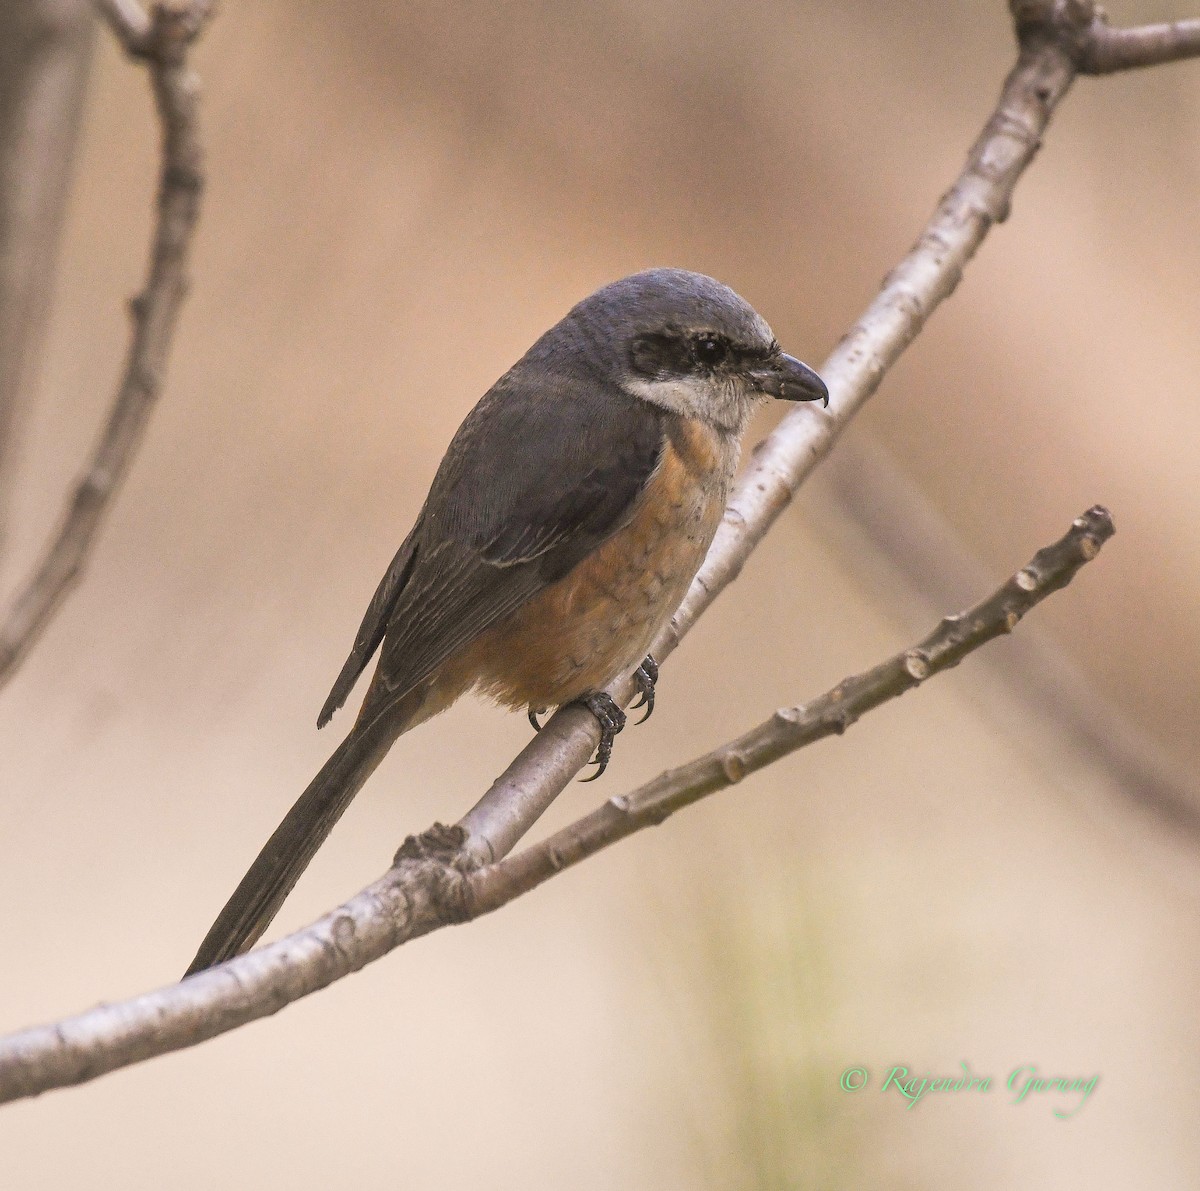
<point>724,404</point>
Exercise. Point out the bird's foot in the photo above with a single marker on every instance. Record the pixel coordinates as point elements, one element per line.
<point>611,720</point>
<point>646,675</point>
<point>534,712</point>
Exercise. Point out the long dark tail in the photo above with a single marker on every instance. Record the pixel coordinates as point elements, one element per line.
<point>304,829</point>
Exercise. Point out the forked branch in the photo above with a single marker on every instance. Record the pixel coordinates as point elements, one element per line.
<point>433,883</point>
<point>793,728</point>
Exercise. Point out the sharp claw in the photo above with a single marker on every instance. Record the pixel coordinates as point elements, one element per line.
<point>611,720</point>
<point>533,719</point>
<point>646,675</point>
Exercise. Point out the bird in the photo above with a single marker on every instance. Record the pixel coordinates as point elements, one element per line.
<point>564,525</point>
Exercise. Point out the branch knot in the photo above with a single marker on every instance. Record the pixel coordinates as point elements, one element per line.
<point>439,842</point>
<point>1066,24</point>
<point>442,863</point>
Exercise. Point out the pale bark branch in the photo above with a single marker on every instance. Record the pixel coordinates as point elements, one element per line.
<point>1109,50</point>
<point>1055,37</point>
<point>793,728</point>
<point>433,884</point>
<point>1081,28</point>
<point>914,539</point>
<point>934,266</point>
<point>163,41</point>
<point>129,22</point>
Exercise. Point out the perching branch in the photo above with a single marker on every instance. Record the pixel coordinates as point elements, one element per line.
<point>162,39</point>
<point>432,884</point>
<point>793,728</point>
<point>448,874</point>
<point>1055,38</point>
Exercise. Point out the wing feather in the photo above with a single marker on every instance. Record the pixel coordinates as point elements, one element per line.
<point>538,475</point>
<point>374,624</point>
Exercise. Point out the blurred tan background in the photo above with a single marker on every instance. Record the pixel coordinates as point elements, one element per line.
<point>401,198</point>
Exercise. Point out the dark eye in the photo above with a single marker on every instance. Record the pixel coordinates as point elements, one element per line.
<point>709,350</point>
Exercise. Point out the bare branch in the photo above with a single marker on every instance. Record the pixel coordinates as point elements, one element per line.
<point>792,728</point>
<point>914,538</point>
<point>1055,37</point>
<point>433,884</point>
<point>129,22</point>
<point>780,463</point>
<point>164,44</point>
<point>1123,49</point>
<point>1096,47</point>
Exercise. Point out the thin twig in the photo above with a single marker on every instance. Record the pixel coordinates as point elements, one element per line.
<point>1081,28</point>
<point>793,728</point>
<point>1109,50</point>
<point>915,541</point>
<point>129,22</point>
<point>432,885</point>
<point>163,40</point>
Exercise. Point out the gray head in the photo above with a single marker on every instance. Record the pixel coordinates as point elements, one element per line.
<point>689,344</point>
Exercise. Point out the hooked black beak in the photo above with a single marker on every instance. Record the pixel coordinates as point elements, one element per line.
<point>787,378</point>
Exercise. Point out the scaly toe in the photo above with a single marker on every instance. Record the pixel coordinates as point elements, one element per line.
<point>611,720</point>
<point>646,675</point>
